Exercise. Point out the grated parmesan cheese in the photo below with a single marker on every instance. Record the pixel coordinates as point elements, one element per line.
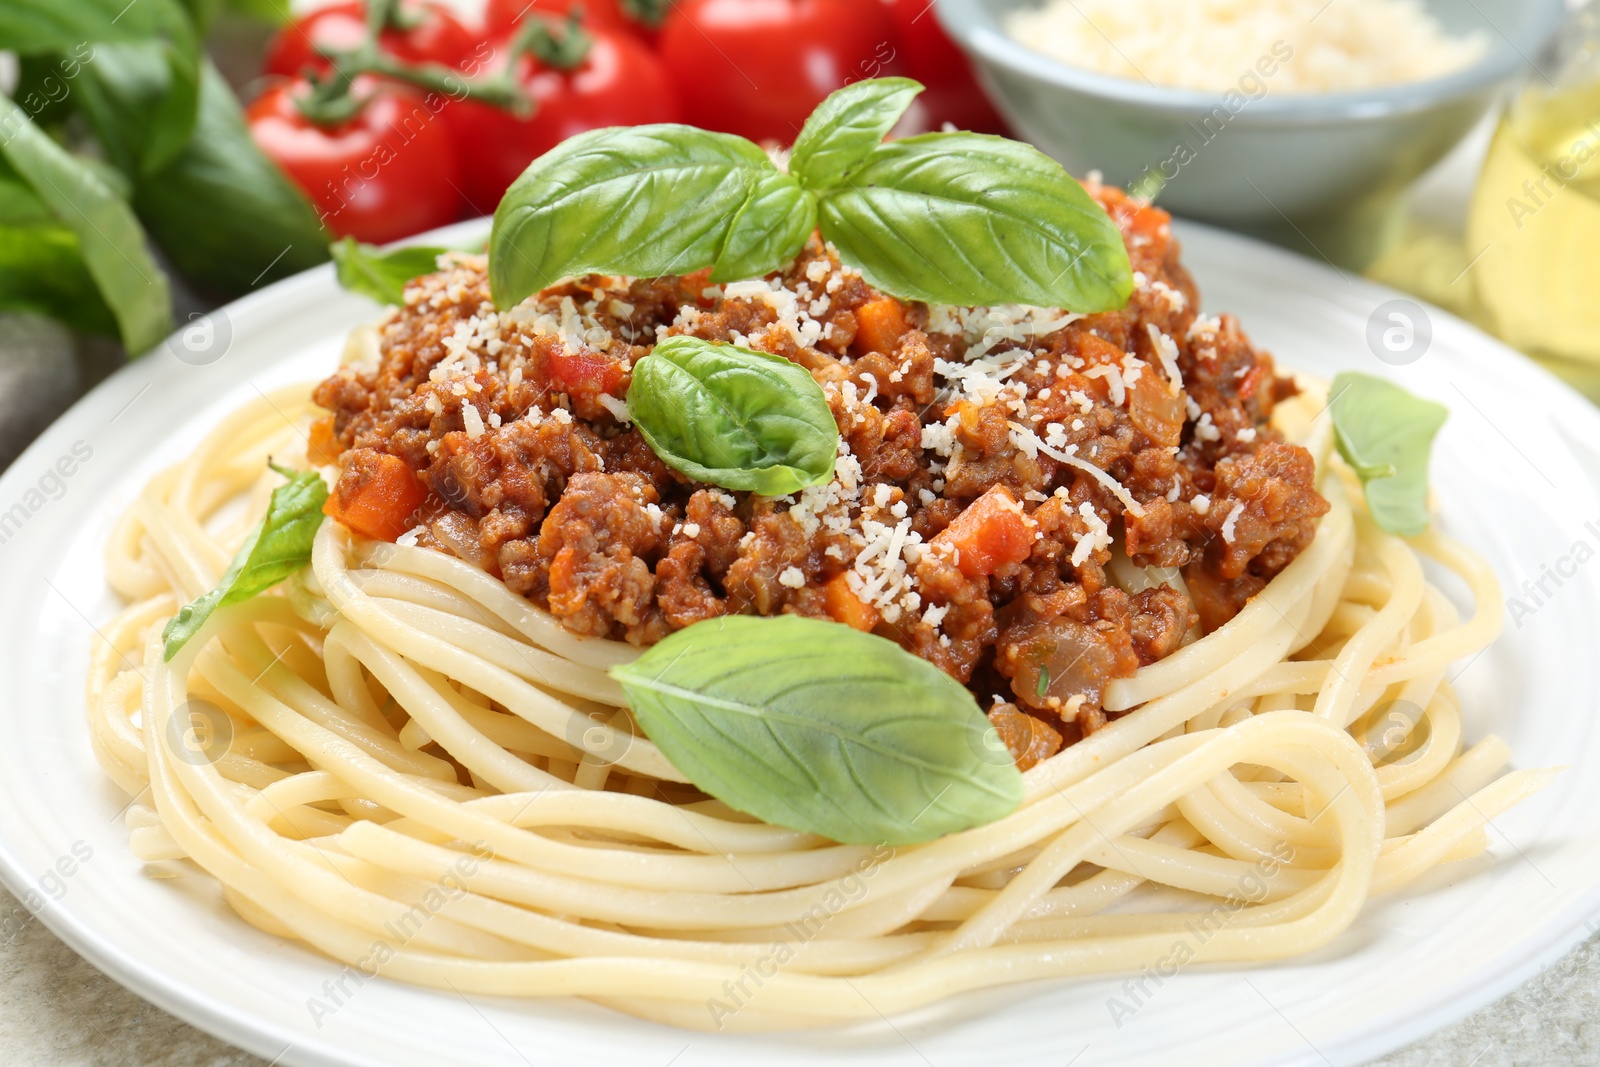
<point>1227,524</point>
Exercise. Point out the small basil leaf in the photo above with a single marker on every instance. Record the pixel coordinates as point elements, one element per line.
<point>732,417</point>
<point>1386,435</point>
<point>965,218</point>
<point>278,546</point>
<point>768,231</point>
<point>370,271</point>
<point>846,127</point>
<point>109,237</point>
<point>814,726</point>
<point>640,200</point>
<point>224,214</point>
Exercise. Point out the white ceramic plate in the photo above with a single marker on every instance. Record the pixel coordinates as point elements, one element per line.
<point>1517,472</point>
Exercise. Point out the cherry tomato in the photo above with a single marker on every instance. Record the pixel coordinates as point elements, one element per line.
<point>500,17</point>
<point>758,67</point>
<point>385,174</point>
<point>619,83</point>
<point>931,57</point>
<point>438,37</point>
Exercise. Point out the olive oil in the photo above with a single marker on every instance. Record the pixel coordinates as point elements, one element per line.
<point>1535,225</point>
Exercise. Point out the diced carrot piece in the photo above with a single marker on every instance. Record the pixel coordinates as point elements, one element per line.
<point>844,606</point>
<point>378,496</point>
<point>323,447</point>
<point>990,533</point>
<point>879,326</point>
<point>1095,350</point>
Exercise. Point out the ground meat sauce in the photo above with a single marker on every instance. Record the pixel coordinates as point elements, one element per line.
<point>1038,428</point>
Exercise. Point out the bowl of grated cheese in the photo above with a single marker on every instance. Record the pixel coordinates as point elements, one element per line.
<point>1298,120</point>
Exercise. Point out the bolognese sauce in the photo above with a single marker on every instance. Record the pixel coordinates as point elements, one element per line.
<point>1000,470</point>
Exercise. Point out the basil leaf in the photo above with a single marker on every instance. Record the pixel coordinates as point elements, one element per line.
<point>223,213</point>
<point>1386,435</point>
<point>142,100</point>
<point>732,417</point>
<point>370,271</point>
<point>966,218</point>
<point>33,26</point>
<point>109,236</point>
<point>814,726</point>
<point>278,546</point>
<point>768,231</point>
<point>640,200</point>
<point>846,127</point>
<point>42,271</point>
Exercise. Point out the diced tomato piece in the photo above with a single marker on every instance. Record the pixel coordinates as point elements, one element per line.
<point>378,496</point>
<point>844,606</point>
<point>990,533</point>
<point>879,326</point>
<point>584,373</point>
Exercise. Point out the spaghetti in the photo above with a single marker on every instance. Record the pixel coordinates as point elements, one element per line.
<point>428,777</point>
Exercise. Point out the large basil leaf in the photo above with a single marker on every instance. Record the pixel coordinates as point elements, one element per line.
<point>109,237</point>
<point>732,417</point>
<point>965,218</point>
<point>1386,435</point>
<point>814,726</point>
<point>41,263</point>
<point>42,271</point>
<point>768,231</point>
<point>370,271</point>
<point>225,215</point>
<point>641,200</point>
<point>33,26</point>
<point>142,101</point>
<point>846,127</point>
<point>278,546</point>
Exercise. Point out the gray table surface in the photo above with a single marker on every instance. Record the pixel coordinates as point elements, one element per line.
<point>56,1009</point>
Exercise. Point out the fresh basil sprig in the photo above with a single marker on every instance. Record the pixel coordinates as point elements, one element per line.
<point>846,127</point>
<point>946,218</point>
<point>371,271</point>
<point>818,727</point>
<point>1386,435</point>
<point>967,218</point>
<point>640,200</point>
<point>278,546</point>
<point>732,417</point>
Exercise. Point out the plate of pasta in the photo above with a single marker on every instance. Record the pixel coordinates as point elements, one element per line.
<point>869,605</point>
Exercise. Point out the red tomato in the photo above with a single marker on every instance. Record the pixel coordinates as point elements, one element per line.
<point>619,83</point>
<point>758,67</point>
<point>500,17</point>
<point>438,37</point>
<point>386,174</point>
<point>931,57</point>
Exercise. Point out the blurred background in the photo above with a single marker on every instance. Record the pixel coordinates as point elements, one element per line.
<point>161,158</point>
